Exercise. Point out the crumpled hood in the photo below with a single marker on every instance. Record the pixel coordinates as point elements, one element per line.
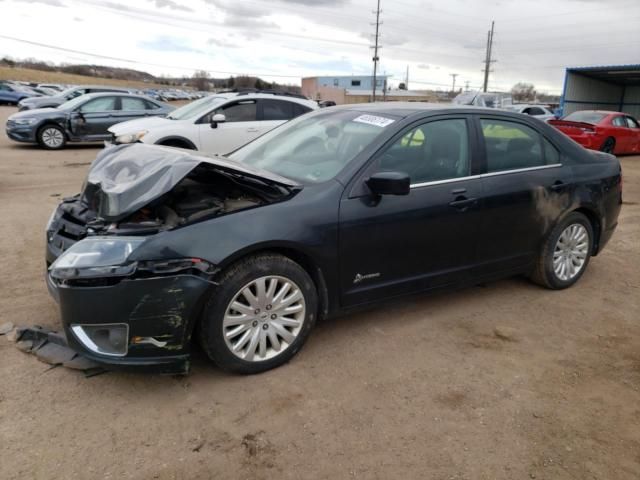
<point>125,178</point>
<point>133,126</point>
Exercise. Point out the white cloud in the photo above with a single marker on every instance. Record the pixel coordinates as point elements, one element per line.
<point>534,41</point>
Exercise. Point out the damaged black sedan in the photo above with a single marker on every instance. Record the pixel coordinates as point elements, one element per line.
<point>336,209</point>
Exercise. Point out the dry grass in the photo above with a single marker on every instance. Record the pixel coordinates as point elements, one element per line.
<point>28,75</point>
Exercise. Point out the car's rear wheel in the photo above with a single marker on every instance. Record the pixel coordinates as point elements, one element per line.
<point>51,137</point>
<point>609,145</point>
<point>260,314</point>
<point>566,253</point>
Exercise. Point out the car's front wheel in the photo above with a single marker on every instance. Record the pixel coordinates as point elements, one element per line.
<point>565,254</point>
<point>260,314</point>
<point>51,137</point>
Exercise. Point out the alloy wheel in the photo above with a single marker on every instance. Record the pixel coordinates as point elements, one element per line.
<point>570,253</point>
<point>264,318</point>
<point>52,137</point>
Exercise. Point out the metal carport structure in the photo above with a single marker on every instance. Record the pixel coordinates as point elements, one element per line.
<point>610,87</point>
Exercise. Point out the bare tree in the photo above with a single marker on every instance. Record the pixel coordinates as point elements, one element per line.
<point>523,92</point>
<point>201,80</point>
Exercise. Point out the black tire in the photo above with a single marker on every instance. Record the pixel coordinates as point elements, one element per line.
<point>544,273</point>
<point>231,282</point>
<point>609,145</point>
<point>42,140</point>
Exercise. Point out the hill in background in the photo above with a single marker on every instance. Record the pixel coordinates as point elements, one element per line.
<point>31,70</point>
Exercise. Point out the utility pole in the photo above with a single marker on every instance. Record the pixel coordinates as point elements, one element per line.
<point>453,88</point>
<point>487,59</point>
<point>406,79</point>
<point>376,47</point>
<point>466,85</point>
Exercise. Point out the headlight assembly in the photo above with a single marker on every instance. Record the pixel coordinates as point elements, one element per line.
<point>24,121</point>
<point>130,137</point>
<point>96,257</point>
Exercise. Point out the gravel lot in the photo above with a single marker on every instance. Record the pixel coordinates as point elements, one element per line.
<point>500,381</point>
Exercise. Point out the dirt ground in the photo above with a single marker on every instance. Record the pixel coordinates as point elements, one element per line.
<point>503,381</point>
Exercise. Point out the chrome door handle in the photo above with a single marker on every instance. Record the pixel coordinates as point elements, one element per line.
<point>252,130</point>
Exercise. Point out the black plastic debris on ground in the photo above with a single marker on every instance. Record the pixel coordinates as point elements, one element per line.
<point>51,347</point>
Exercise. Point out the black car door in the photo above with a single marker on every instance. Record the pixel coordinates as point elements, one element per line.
<point>391,245</point>
<point>92,119</point>
<point>526,188</point>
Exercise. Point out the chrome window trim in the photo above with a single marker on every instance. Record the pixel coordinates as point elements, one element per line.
<point>448,180</point>
<point>483,175</point>
<point>518,170</point>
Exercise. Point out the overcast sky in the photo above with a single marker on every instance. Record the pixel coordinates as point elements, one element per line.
<point>283,40</point>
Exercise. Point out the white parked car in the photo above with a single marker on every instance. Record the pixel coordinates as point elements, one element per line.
<point>541,112</point>
<point>219,123</point>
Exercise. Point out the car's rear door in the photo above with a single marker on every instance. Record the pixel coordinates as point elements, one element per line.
<point>398,244</point>
<point>130,108</point>
<point>525,189</point>
<point>240,127</point>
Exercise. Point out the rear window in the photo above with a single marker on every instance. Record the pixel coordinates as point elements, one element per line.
<point>585,117</point>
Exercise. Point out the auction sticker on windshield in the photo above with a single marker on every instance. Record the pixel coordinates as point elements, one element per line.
<point>374,120</point>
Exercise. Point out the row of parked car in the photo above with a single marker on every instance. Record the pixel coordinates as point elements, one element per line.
<point>13,93</point>
<point>218,123</point>
<point>222,122</point>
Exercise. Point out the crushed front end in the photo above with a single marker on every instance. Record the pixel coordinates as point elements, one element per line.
<point>142,313</point>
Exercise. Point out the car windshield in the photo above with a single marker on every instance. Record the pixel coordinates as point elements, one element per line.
<point>465,98</point>
<point>196,109</point>
<point>585,117</point>
<point>314,147</point>
<point>70,93</point>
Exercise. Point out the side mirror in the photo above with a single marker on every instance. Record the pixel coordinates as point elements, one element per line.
<point>389,183</point>
<point>216,119</point>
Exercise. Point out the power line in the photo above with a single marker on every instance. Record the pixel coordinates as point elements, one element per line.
<point>138,62</point>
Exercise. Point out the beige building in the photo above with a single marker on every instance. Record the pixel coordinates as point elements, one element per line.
<point>328,89</point>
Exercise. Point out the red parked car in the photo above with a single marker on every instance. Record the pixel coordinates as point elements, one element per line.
<point>611,132</point>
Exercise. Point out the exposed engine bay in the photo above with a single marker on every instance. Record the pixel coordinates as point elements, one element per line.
<point>203,194</point>
<point>141,190</point>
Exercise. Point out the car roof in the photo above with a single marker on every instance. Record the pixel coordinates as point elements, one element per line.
<point>115,94</point>
<point>266,95</point>
<point>407,109</point>
<point>117,89</point>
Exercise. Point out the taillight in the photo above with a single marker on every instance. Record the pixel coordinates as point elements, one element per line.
<point>588,129</point>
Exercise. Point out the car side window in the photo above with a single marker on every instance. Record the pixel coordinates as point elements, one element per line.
<point>619,122</point>
<point>299,109</point>
<point>242,111</point>
<point>5,88</point>
<point>551,153</point>
<point>276,110</point>
<point>103,104</point>
<point>150,105</point>
<point>536,111</point>
<point>632,122</point>
<point>511,145</point>
<point>437,150</point>
<point>129,104</point>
